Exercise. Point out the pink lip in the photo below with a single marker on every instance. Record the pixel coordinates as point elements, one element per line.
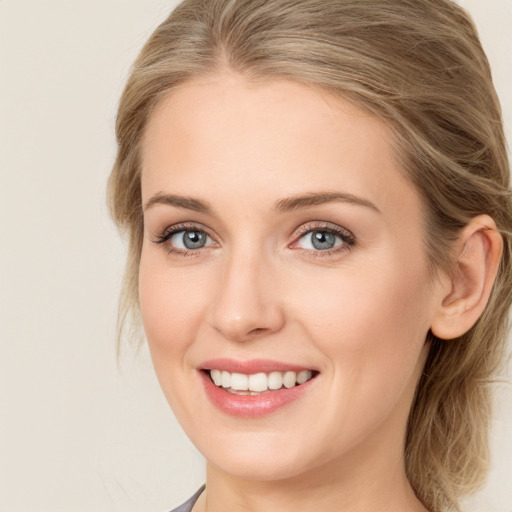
<point>249,367</point>
<point>251,406</point>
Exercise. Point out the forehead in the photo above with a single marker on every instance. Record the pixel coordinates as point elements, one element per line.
<point>223,135</point>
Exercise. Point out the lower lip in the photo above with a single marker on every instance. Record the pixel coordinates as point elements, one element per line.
<point>252,406</point>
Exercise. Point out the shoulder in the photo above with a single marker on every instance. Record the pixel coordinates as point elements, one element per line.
<point>187,506</point>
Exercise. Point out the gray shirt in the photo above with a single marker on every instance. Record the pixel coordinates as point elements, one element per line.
<point>187,506</point>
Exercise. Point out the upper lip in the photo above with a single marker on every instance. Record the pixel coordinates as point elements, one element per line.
<point>251,366</point>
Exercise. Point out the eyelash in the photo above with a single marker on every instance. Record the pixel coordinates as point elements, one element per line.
<point>169,232</point>
<point>347,238</point>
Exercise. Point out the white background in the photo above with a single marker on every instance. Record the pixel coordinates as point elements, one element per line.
<point>77,433</point>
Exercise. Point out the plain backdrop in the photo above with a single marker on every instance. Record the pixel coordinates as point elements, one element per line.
<point>77,432</point>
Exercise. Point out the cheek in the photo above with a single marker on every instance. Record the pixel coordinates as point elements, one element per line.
<point>172,306</point>
<point>372,326</point>
<point>387,296</point>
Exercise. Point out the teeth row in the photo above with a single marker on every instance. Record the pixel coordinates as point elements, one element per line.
<point>259,382</point>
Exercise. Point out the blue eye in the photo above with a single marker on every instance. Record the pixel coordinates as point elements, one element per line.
<point>180,239</point>
<point>189,239</point>
<point>320,240</point>
<point>323,238</point>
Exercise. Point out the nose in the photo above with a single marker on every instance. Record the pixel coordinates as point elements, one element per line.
<point>247,304</point>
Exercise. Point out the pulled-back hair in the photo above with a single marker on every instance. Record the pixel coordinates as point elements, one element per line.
<point>419,66</point>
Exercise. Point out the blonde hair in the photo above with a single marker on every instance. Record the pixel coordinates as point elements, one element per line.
<point>417,64</point>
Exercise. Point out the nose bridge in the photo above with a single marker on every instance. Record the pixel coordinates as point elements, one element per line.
<point>246,305</point>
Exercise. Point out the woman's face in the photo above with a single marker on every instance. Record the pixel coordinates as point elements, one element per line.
<point>282,244</point>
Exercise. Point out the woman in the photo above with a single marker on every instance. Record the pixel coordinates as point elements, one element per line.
<point>317,199</point>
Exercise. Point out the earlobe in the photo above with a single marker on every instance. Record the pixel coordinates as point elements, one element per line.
<point>479,248</point>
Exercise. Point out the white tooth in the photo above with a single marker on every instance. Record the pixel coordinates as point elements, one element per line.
<point>289,379</point>
<point>226,379</point>
<point>304,376</point>
<point>216,376</point>
<point>258,382</point>
<point>275,380</point>
<point>239,381</point>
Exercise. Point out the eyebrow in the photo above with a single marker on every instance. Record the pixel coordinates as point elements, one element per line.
<point>184,202</point>
<point>318,198</point>
<point>282,205</point>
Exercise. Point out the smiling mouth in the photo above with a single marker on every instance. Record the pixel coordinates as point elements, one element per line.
<point>258,383</point>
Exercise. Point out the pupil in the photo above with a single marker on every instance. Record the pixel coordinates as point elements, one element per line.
<point>194,239</point>
<point>323,240</point>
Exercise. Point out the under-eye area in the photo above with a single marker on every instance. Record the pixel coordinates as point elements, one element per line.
<point>258,383</point>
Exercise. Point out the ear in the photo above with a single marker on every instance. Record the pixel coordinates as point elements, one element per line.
<point>466,292</point>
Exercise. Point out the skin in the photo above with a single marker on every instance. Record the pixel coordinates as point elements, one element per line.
<point>259,289</point>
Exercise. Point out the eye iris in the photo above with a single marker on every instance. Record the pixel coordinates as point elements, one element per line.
<point>194,239</point>
<point>323,240</point>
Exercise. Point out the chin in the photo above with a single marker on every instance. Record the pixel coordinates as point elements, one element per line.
<point>261,457</point>
<point>263,469</point>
